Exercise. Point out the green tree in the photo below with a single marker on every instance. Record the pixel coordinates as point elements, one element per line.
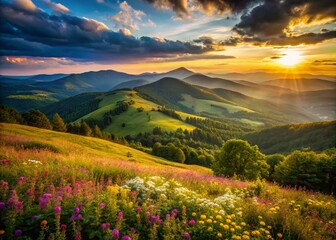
<point>97,132</point>
<point>58,123</point>
<point>305,169</point>
<point>36,118</point>
<point>238,157</point>
<point>85,130</point>
<point>272,161</point>
<point>10,115</point>
<point>179,156</point>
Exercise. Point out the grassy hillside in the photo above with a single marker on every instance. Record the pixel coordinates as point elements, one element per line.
<point>135,121</point>
<point>221,103</point>
<point>131,84</point>
<point>285,139</point>
<point>65,186</point>
<point>65,145</point>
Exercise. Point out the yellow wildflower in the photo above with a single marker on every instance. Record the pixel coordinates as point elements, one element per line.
<point>203,217</point>
<point>232,230</point>
<point>262,223</point>
<point>194,214</point>
<point>201,222</point>
<point>219,235</point>
<point>210,229</point>
<point>209,221</point>
<point>219,217</point>
<point>243,224</point>
<point>228,220</point>
<point>246,237</point>
<point>238,227</point>
<point>279,235</point>
<point>226,227</point>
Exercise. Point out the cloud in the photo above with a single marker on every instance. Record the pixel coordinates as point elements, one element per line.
<point>130,18</point>
<point>325,62</point>
<point>182,7</point>
<point>79,38</point>
<point>56,7</point>
<point>190,57</point>
<point>26,5</point>
<point>278,22</point>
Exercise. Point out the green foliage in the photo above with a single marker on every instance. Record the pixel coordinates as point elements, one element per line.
<point>58,123</point>
<point>309,170</point>
<point>85,130</point>
<point>237,157</point>
<point>169,151</point>
<point>36,118</point>
<point>73,108</point>
<point>9,115</point>
<point>96,132</point>
<point>273,160</point>
<point>317,136</point>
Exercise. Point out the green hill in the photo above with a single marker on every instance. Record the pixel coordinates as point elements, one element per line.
<point>221,103</point>
<point>316,136</point>
<point>141,115</point>
<point>44,143</point>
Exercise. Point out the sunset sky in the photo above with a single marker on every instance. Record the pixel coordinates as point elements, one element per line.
<point>69,36</point>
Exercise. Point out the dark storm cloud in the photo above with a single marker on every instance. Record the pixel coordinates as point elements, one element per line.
<point>29,31</point>
<point>268,23</point>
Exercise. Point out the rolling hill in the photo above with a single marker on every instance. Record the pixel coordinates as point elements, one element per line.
<point>316,136</point>
<point>302,84</point>
<point>131,84</point>
<point>94,106</point>
<point>220,103</point>
<point>244,87</point>
<point>68,146</point>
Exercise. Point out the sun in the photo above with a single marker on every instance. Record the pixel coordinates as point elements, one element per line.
<point>290,58</point>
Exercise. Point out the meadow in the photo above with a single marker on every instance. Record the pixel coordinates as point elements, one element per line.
<point>62,186</point>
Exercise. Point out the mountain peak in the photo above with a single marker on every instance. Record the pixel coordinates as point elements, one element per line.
<point>181,70</point>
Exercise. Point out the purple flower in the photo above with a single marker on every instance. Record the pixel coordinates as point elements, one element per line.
<point>34,218</point>
<point>168,216</point>
<point>138,209</point>
<point>101,205</point>
<point>174,212</point>
<point>126,238</point>
<point>57,209</point>
<point>22,178</point>
<point>192,222</point>
<point>47,195</point>
<point>76,210</point>
<point>120,216</point>
<point>79,217</point>
<point>18,232</point>
<point>115,233</point>
<point>103,226</point>
<point>186,235</point>
<point>2,206</point>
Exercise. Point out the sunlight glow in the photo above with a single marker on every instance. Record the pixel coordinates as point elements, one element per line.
<point>290,58</point>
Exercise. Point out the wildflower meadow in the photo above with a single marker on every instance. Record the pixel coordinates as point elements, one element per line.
<point>69,190</point>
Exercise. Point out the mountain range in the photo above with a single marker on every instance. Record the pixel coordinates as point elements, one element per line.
<point>255,103</point>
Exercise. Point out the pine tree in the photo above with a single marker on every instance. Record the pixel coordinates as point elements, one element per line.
<point>58,123</point>
<point>97,132</point>
<point>85,130</point>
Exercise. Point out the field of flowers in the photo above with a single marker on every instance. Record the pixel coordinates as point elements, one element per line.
<point>49,194</point>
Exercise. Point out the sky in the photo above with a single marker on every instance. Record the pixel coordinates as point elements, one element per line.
<point>135,36</point>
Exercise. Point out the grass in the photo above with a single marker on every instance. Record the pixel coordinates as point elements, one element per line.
<point>90,186</point>
<point>209,106</point>
<point>136,122</point>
